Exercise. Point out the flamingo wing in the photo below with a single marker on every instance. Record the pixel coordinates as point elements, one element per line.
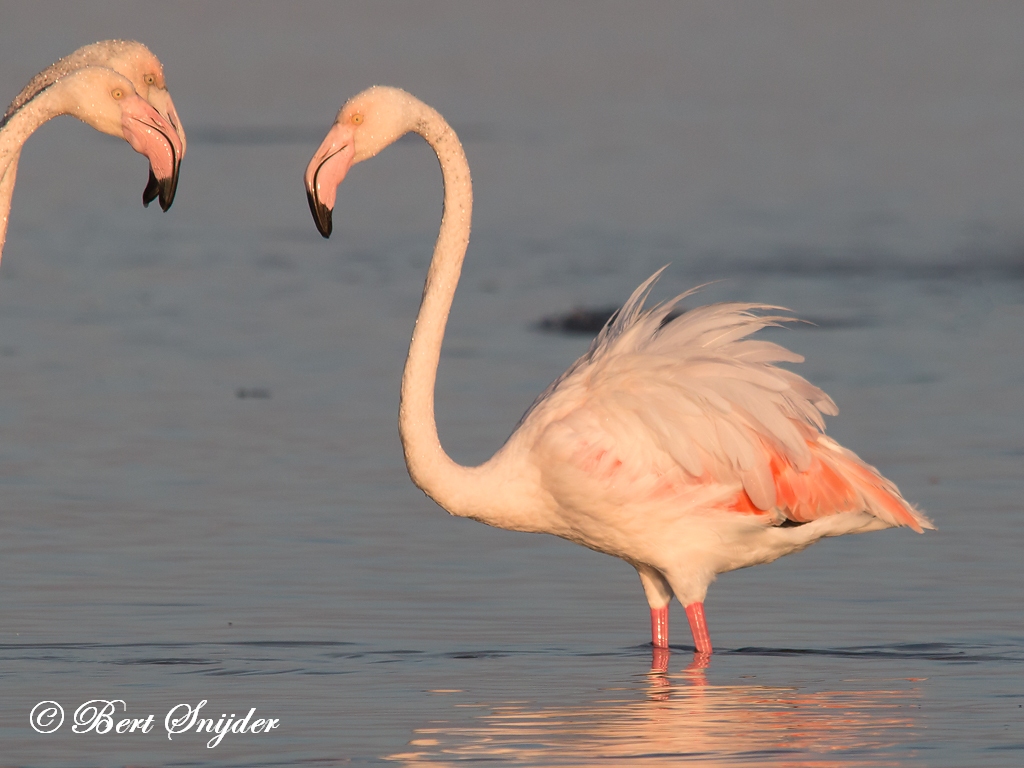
<point>661,408</point>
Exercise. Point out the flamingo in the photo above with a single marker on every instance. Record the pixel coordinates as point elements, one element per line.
<point>126,57</point>
<point>676,445</point>
<point>150,121</point>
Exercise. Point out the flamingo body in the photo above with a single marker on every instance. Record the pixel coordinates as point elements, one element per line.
<point>678,446</point>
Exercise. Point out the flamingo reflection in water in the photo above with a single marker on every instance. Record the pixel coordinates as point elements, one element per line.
<point>682,718</point>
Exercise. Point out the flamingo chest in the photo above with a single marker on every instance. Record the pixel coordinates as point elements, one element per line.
<point>621,502</point>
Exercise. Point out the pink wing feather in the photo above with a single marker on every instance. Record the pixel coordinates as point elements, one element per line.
<point>695,398</point>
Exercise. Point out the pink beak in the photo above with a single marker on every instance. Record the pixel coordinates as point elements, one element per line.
<point>152,136</point>
<point>171,115</point>
<point>325,172</point>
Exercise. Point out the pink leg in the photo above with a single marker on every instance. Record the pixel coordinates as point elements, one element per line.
<point>659,627</point>
<point>699,627</point>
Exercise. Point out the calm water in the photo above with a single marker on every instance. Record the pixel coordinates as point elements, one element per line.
<point>166,541</point>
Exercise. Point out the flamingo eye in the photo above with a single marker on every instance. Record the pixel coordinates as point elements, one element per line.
<point>357,119</point>
<point>117,93</point>
<point>150,79</point>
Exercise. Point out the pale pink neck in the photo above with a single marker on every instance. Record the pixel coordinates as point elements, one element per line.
<point>453,486</point>
<point>21,124</point>
<point>7,177</point>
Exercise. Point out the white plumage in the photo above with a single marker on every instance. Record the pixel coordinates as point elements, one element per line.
<point>677,445</point>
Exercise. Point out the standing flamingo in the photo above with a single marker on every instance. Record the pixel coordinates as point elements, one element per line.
<point>677,446</point>
<point>152,127</point>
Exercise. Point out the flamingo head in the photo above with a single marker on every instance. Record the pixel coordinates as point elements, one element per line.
<point>140,65</point>
<point>109,103</point>
<point>134,61</point>
<point>366,124</point>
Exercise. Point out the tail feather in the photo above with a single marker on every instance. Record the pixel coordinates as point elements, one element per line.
<point>835,481</point>
<point>883,498</point>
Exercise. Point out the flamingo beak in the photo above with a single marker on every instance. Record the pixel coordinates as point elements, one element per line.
<point>326,171</point>
<point>151,135</point>
<point>161,100</point>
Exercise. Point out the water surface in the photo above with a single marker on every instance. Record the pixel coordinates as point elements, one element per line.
<point>167,541</point>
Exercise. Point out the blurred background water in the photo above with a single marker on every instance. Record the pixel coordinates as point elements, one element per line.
<point>203,490</point>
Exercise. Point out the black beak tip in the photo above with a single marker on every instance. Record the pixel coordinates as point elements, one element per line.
<point>163,189</point>
<point>167,189</point>
<point>151,191</point>
<point>322,216</point>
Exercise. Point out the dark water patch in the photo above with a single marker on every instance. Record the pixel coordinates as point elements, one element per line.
<point>586,320</point>
<point>943,652</point>
<point>275,262</point>
<point>589,321</point>
<point>254,672</point>
<point>371,654</point>
<point>252,393</point>
<point>239,643</point>
<point>910,651</point>
<point>577,321</point>
<point>294,643</point>
<point>209,658</point>
<point>477,655</point>
<point>168,661</point>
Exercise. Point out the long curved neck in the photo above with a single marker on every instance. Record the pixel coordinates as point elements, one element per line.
<point>453,486</point>
<point>8,173</point>
<point>14,132</point>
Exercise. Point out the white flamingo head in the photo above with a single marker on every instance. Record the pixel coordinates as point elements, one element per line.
<point>132,60</point>
<point>108,101</point>
<point>140,65</point>
<point>126,57</point>
<point>367,123</point>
